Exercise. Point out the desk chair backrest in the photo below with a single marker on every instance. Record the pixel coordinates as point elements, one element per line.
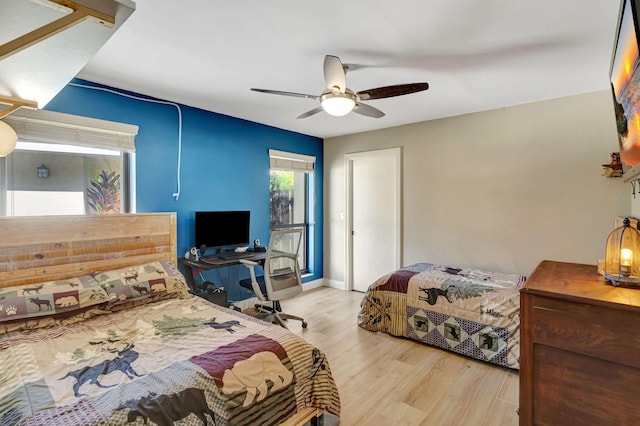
<point>281,270</point>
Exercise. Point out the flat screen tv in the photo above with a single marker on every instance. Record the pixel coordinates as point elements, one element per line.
<point>625,81</point>
<point>222,229</point>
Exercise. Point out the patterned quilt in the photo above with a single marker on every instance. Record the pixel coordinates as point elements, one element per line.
<point>179,361</point>
<point>466,311</point>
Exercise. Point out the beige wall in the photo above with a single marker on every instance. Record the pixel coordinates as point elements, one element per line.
<point>498,190</point>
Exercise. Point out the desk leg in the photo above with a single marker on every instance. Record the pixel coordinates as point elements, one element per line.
<point>188,275</point>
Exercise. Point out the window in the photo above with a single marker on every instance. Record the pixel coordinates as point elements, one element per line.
<point>290,188</point>
<point>67,165</point>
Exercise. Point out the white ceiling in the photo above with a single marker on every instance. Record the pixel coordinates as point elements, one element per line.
<point>475,54</point>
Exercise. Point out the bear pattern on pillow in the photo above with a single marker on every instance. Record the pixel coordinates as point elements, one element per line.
<point>50,298</point>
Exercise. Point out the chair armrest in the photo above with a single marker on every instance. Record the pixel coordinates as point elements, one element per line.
<point>254,281</point>
<point>248,263</point>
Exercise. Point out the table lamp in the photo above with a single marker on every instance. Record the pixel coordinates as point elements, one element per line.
<point>622,255</point>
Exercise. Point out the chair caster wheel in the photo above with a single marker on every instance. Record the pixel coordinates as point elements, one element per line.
<point>304,324</point>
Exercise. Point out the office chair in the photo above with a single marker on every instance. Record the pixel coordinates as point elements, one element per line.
<point>281,278</point>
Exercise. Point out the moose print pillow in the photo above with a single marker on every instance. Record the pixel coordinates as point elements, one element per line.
<point>50,298</point>
<point>153,281</point>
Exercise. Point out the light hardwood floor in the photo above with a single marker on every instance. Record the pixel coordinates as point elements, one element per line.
<point>385,380</point>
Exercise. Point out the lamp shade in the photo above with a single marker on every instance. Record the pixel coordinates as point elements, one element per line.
<point>8,139</point>
<point>622,255</point>
<point>338,104</point>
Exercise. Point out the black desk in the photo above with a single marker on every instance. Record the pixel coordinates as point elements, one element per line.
<point>212,262</point>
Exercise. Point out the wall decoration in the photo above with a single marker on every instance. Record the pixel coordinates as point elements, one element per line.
<point>614,168</point>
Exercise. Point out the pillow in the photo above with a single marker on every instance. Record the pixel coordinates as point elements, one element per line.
<point>50,298</point>
<point>65,318</point>
<point>132,303</point>
<point>151,280</point>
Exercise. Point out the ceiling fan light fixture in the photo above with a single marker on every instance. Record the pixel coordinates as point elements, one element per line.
<point>338,100</point>
<point>338,104</point>
<point>8,139</point>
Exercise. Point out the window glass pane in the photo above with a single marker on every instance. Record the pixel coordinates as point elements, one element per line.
<point>300,197</point>
<point>281,185</point>
<point>40,203</point>
<point>48,182</point>
<point>288,197</point>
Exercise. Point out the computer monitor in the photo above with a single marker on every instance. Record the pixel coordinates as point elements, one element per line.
<point>222,229</point>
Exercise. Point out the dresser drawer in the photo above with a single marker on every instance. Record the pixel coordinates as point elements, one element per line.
<point>575,389</point>
<point>605,333</point>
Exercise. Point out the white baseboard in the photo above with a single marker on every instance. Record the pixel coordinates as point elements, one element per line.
<point>340,285</point>
<point>323,282</point>
<point>310,285</point>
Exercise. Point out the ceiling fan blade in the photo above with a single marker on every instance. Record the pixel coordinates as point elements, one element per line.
<point>310,113</point>
<point>390,91</point>
<point>279,92</point>
<point>368,110</point>
<point>334,74</point>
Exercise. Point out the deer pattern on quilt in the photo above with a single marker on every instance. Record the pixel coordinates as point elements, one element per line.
<point>227,325</point>
<point>91,374</point>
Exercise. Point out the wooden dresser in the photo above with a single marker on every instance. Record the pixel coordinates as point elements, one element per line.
<point>580,348</point>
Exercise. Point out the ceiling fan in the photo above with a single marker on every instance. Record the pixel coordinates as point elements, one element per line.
<point>339,100</point>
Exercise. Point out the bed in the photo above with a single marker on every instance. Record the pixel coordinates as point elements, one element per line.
<point>97,327</point>
<point>466,311</point>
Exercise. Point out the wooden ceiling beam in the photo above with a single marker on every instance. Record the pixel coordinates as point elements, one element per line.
<point>14,104</point>
<point>80,13</point>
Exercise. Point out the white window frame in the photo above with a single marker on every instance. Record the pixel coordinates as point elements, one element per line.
<point>52,127</point>
<point>293,162</point>
<point>56,127</point>
<point>289,161</point>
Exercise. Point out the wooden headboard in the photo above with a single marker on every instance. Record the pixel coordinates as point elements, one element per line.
<point>46,248</point>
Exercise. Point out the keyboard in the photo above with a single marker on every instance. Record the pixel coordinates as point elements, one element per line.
<point>233,255</point>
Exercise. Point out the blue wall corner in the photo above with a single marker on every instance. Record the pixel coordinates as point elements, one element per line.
<point>225,164</point>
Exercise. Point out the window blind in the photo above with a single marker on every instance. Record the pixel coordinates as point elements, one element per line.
<point>56,127</point>
<point>289,161</point>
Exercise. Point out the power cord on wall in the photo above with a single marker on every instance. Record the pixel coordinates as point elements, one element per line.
<point>176,194</point>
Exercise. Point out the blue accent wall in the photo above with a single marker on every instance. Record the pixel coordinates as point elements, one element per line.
<point>225,165</point>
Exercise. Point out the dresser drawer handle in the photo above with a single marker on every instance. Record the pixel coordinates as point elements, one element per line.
<point>543,308</point>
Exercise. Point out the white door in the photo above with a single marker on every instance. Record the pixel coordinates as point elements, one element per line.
<point>373,225</point>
